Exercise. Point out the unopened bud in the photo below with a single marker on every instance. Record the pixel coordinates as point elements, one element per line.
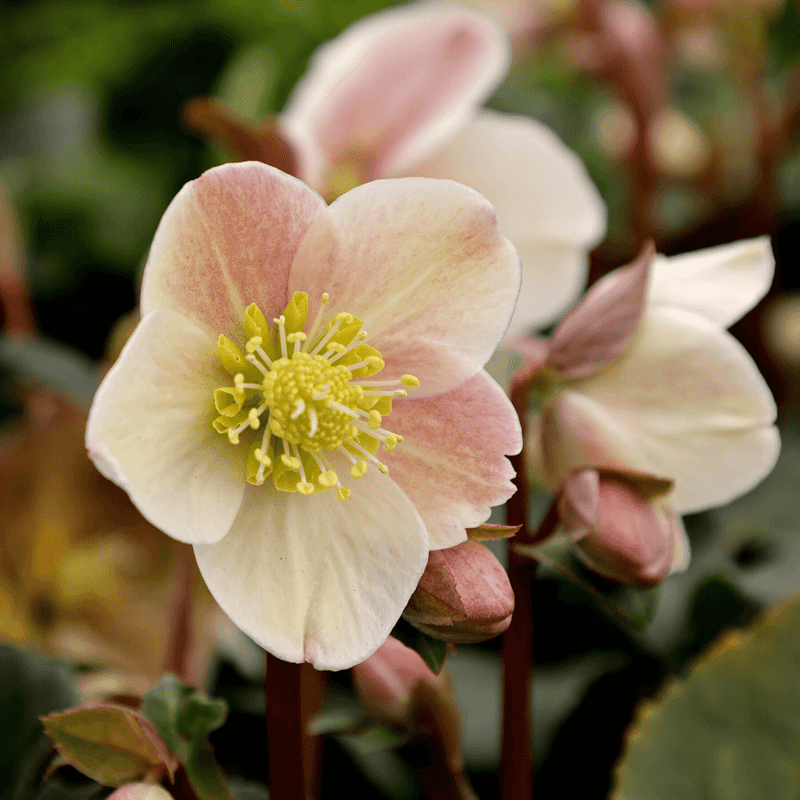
<point>464,595</point>
<point>621,527</point>
<point>385,682</point>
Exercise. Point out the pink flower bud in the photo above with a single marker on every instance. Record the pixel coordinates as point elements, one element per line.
<point>464,595</point>
<point>386,680</point>
<point>620,527</point>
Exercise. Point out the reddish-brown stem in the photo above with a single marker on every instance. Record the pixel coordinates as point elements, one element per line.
<point>181,631</point>
<point>294,693</point>
<point>516,754</point>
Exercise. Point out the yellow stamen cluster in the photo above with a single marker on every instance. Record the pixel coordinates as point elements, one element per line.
<point>311,397</point>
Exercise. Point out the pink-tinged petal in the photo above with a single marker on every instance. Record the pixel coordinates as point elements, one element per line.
<point>451,463</point>
<point>316,578</point>
<point>685,402</point>
<point>632,539</point>
<point>601,328</point>
<point>422,263</point>
<point>480,583</point>
<point>394,86</point>
<point>719,283</point>
<point>150,430</point>
<point>579,500</point>
<point>227,240</point>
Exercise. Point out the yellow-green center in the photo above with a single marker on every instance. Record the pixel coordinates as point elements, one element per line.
<point>308,397</point>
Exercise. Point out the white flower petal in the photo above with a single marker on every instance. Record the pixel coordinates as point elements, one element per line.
<point>150,430</point>
<point>686,402</point>
<point>720,283</point>
<point>538,186</point>
<point>316,578</point>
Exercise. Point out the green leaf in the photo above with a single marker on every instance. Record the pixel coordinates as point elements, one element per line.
<point>200,715</point>
<point>162,706</point>
<point>111,744</point>
<point>729,731</point>
<point>185,717</point>
<point>433,651</point>
<point>204,773</point>
<point>627,603</point>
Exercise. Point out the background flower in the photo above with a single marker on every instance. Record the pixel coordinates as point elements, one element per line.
<point>633,379</point>
<point>399,93</point>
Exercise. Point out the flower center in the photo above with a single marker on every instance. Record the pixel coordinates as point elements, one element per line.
<point>312,395</point>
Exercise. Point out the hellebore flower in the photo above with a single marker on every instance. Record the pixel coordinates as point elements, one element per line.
<point>643,377</point>
<point>398,94</point>
<point>243,417</point>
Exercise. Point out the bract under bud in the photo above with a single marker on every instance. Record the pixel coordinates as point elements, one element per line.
<point>464,595</point>
<point>620,526</point>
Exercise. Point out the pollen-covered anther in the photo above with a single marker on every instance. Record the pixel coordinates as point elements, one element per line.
<point>359,469</point>
<point>291,462</point>
<point>314,404</point>
<point>261,458</point>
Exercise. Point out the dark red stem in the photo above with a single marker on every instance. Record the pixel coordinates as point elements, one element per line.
<point>516,754</point>
<point>294,693</point>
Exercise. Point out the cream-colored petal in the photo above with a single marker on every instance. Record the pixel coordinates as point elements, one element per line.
<point>546,204</point>
<point>150,430</point>
<point>394,86</point>
<point>227,240</point>
<point>686,402</point>
<point>422,263</point>
<point>720,283</point>
<point>452,461</point>
<point>318,579</point>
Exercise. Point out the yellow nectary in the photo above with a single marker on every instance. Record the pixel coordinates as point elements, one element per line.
<point>318,398</point>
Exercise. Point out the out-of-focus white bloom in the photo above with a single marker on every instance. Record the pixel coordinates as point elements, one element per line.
<point>399,93</point>
<point>642,377</point>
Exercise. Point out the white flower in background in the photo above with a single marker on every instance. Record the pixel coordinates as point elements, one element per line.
<point>643,378</point>
<point>243,416</point>
<point>399,93</point>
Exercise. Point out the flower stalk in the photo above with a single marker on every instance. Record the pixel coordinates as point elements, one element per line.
<point>516,753</point>
<point>293,693</point>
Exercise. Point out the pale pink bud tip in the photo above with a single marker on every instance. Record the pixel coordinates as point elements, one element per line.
<point>386,680</point>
